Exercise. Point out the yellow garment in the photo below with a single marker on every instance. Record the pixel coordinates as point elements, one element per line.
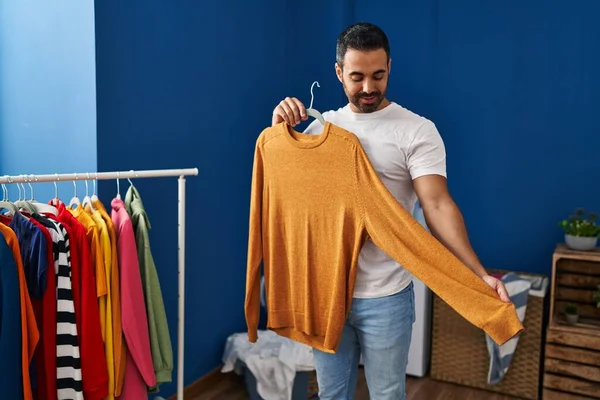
<point>115,295</point>
<point>93,236</point>
<point>315,199</point>
<point>107,323</point>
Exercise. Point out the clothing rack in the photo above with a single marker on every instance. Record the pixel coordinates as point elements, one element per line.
<point>181,173</point>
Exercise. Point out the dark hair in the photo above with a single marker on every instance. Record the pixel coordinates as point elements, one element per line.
<point>362,36</point>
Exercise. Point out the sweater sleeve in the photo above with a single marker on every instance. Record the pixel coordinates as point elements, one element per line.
<point>393,229</point>
<point>252,303</point>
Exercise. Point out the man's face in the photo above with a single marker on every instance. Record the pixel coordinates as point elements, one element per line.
<point>364,77</point>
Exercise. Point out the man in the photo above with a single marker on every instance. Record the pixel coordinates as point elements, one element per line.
<point>409,156</point>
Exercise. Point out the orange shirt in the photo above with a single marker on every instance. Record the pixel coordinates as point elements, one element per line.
<point>315,199</point>
<point>30,334</point>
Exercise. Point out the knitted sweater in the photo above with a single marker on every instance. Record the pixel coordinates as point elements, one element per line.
<point>315,199</point>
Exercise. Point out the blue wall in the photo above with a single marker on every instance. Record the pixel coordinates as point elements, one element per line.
<point>47,91</point>
<point>181,85</point>
<point>514,91</point>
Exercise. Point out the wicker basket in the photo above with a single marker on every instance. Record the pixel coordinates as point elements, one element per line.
<point>459,353</point>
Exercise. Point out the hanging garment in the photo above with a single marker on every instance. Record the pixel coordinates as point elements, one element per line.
<point>94,373</point>
<point>139,371</point>
<point>315,200</point>
<point>501,355</point>
<point>30,334</point>
<point>10,318</point>
<point>35,244</point>
<point>160,340</point>
<point>106,324</point>
<point>93,236</point>
<point>68,362</point>
<point>118,340</point>
<point>32,243</point>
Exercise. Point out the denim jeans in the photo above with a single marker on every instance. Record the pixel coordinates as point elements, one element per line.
<point>380,329</point>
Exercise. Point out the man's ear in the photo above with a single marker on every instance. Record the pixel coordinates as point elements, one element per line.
<point>390,66</point>
<point>339,72</point>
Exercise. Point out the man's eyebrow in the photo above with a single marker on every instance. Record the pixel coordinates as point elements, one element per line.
<point>356,73</point>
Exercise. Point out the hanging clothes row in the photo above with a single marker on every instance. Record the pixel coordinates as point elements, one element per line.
<point>79,280</point>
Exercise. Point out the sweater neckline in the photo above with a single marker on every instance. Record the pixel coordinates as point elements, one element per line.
<point>303,140</point>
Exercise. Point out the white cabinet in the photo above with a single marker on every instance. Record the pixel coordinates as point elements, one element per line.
<point>419,351</point>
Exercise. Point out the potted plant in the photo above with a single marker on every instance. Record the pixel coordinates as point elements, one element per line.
<point>597,297</point>
<point>571,313</point>
<point>581,231</point>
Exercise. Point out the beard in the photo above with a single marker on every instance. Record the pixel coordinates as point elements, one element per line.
<point>364,107</point>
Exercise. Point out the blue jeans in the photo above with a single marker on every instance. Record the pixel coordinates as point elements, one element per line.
<point>381,329</point>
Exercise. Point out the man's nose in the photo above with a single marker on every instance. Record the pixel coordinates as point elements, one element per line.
<point>368,86</point>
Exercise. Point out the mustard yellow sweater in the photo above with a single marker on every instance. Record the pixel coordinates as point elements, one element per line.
<point>315,199</point>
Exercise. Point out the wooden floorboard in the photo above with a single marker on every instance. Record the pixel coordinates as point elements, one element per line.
<point>231,387</point>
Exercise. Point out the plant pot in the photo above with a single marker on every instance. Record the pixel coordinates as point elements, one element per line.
<point>581,243</point>
<point>572,318</point>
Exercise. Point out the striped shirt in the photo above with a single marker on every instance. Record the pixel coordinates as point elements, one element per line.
<point>68,360</point>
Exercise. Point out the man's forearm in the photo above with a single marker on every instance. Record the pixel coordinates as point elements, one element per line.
<point>446,223</point>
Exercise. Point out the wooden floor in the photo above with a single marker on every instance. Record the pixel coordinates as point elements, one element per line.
<point>231,387</point>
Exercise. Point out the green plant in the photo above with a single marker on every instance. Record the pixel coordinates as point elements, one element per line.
<point>597,297</point>
<point>571,308</point>
<point>580,224</point>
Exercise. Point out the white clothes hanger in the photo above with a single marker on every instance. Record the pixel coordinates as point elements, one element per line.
<point>118,187</point>
<point>40,207</point>
<point>94,195</point>
<point>87,200</point>
<point>310,110</point>
<point>5,203</point>
<point>74,200</point>
<point>22,202</point>
<point>55,201</point>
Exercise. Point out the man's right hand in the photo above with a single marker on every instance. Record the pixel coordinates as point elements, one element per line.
<point>291,110</point>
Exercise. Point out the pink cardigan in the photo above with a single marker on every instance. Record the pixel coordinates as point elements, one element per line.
<point>139,372</point>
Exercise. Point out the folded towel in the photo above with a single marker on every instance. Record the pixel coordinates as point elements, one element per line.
<point>501,356</point>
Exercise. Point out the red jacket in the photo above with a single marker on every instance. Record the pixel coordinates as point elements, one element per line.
<point>87,316</point>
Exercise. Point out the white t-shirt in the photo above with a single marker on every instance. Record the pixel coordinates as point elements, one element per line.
<point>402,146</point>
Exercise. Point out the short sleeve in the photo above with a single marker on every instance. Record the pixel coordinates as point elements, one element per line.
<point>426,152</point>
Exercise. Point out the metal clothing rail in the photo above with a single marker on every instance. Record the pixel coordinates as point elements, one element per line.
<point>158,173</point>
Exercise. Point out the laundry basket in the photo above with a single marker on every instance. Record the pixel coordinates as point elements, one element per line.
<point>305,382</point>
<point>459,353</point>
<point>305,385</point>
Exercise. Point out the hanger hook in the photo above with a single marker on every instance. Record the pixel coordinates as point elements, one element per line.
<point>30,186</point>
<point>130,179</point>
<point>55,186</point>
<point>118,186</point>
<point>87,190</point>
<point>312,96</point>
<point>94,181</point>
<point>75,185</point>
<point>21,189</point>
<point>9,181</point>
<point>4,189</point>
<point>31,179</point>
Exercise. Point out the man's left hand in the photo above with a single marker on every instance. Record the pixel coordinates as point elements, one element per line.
<point>498,286</point>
